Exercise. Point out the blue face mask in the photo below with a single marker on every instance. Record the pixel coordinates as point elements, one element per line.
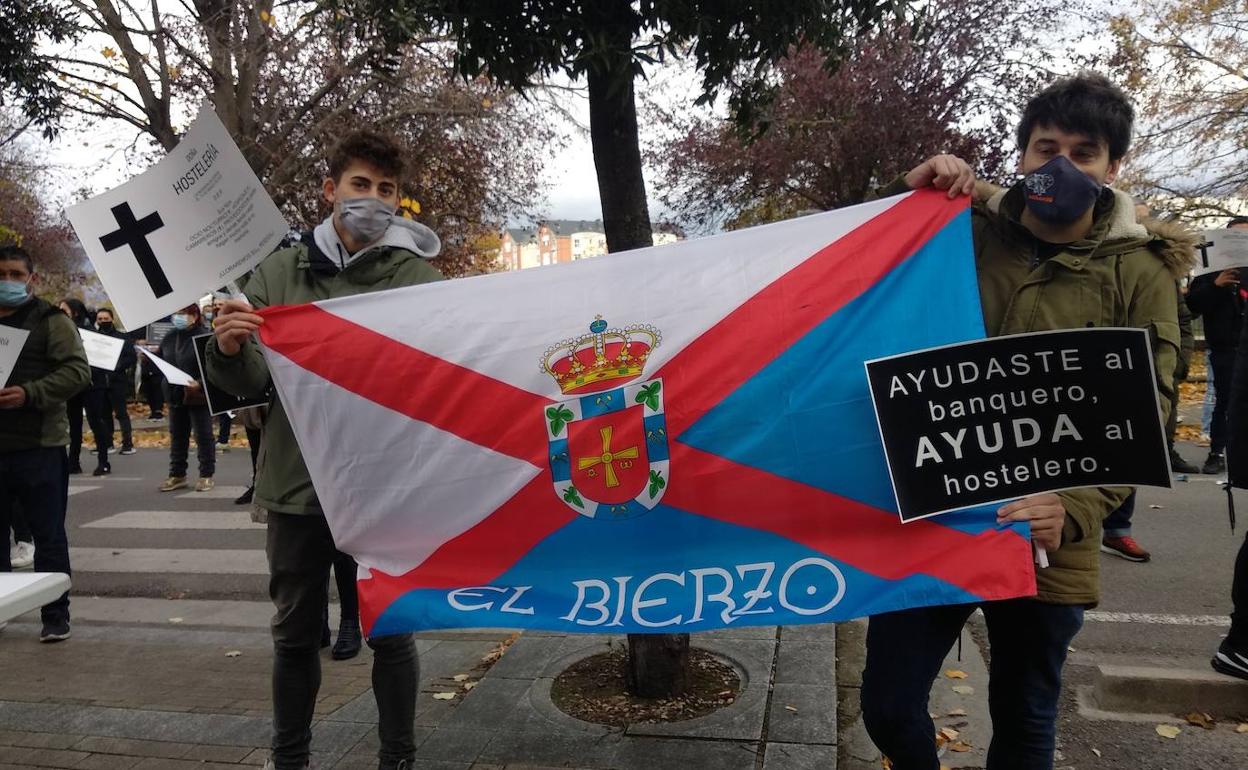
<point>13,293</point>
<point>1058,192</point>
<point>181,321</point>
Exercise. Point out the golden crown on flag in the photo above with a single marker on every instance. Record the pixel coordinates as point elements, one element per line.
<point>603,359</point>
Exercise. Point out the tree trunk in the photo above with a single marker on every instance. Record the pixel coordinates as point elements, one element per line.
<point>617,157</point>
<point>658,664</point>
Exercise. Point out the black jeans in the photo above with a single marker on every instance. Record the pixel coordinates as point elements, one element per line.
<point>38,481</point>
<point>1223,361</point>
<point>223,428</point>
<point>73,410</point>
<point>96,402</point>
<point>182,419</point>
<point>300,551</point>
<point>1118,523</point>
<point>115,406</point>
<point>153,392</point>
<point>1239,600</point>
<point>905,651</point>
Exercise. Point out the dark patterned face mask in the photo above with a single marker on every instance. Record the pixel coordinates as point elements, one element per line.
<point>1058,192</point>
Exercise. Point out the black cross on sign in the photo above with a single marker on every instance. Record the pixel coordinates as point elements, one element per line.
<point>134,234</point>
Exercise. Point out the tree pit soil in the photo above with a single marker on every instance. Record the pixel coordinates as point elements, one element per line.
<point>595,690</point>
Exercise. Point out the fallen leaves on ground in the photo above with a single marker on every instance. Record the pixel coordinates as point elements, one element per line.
<point>953,673</point>
<point>949,733</point>
<point>1097,752</point>
<point>1168,731</point>
<point>233,654</point>
<point>1243,728</point>
<point>460,677</point>
<point>443,695</point>
<point>1200,719</point>
<point>959,746</point>
<point>791,708</point>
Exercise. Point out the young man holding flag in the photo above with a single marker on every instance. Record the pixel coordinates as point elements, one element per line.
<point>361,247</point>
<point>1058,250</point>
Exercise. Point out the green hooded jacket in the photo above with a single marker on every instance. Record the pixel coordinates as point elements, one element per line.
<point>295,275</point>
<point>52,368</point>
<point>1124,273</point>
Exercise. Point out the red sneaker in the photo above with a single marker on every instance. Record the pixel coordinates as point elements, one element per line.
<point>1126,547</point>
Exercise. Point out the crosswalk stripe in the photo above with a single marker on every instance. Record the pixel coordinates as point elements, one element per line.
<point>216,493</point>
<point>199,561</point>
<point>1221,621</point>
<point>236,519</point>
<point>79,490</point>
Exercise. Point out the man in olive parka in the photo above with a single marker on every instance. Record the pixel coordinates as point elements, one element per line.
<point>1058,250</point>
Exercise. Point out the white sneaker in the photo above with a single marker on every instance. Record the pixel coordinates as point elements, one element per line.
<point>22,555</point>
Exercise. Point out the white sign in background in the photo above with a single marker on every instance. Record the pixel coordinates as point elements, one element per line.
<point>193,222</point>
<point>103,351</point>
<point>11,342</point>
<point>172,373</point>
<point>1225,249</point>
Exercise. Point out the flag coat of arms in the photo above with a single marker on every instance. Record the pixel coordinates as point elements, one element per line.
<point>678,438</point>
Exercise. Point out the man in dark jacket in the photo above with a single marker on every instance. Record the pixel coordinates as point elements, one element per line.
<point>361,247</point>
<point>1219,300</point>
<point>34,429</point>
<point>187,406</point>
<point>118,382</point>
<point>1231,657</point>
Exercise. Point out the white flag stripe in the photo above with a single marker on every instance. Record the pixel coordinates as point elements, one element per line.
<point>406,487</point>
<point>236,519</point>
<point>683,289</point>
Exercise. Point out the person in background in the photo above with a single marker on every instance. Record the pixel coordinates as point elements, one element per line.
<point>34,468</point>
<point>118,392</point>
<point>1219,300</point>
<point>76,405</point>
<point>151,381</point>
<point>225,419</point>
<point>253,423</point>
<point>187,405</point>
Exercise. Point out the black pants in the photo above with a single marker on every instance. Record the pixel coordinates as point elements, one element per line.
<point>301,550</point>
<point>1223,360</point>
<point>253,443</point>
<point>1239,599</point>
<point>38,481</point>
<point>153,393</point>
<point>182,420</point>
<point>73,410</point>
<point>905,651</point>
<point>223,428</point>
<point>345,570</point>
<point>96,402</point>
<point>115,409</point>
<point>21,527</point>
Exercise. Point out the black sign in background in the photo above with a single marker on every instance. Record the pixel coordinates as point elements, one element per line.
<point>157,331</point>
<point>1113,409</point>
<point>220,402</point>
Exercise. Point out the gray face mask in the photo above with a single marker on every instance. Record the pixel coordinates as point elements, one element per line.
<point>366,219</point>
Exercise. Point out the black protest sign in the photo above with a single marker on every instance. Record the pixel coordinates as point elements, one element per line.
<point>997,419</point>
<point>220,402</point>
<point>157,331</point>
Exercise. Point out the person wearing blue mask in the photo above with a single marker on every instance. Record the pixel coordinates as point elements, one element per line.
<point>187,405</point>
<point>1060,249</point>
<point>34,430</point>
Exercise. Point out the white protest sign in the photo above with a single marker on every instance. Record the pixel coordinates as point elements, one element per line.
<point>172,373</point>
<point>1224,249</point>
<point>11,342</point>
<point>193,222</point>
<point>103,351</point>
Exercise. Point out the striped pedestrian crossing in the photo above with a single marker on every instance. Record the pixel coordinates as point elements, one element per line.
<point>235,519</point>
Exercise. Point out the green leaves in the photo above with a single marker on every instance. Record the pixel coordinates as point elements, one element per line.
<point>649,395</point>
<point>656,483</point>
<point>559,417</point>
<point>571,496</point>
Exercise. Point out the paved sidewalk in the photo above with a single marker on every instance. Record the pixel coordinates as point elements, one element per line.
<point>173,685</point>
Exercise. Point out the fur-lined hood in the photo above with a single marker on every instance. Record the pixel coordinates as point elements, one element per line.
<point>1173,243</point>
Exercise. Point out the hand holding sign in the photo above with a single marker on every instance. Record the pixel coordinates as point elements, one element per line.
<point>235,322</point>
<point>1045,513</point>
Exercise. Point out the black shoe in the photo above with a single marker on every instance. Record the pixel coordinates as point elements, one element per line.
<point>102,470</point>
<point>1179,465</point>
<point>75,469</point>
<point>245,498</point>
<point>1227,660</point>
<point>348,644</point>
<point>1215,463</point>
<point>54,631</point>
<point>157,416</point>
<point>128,450</point>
